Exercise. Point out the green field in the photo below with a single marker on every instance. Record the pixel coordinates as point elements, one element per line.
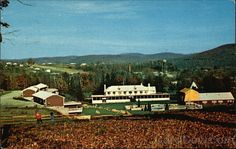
<point>17,111</point>
<point>97,111</point>
<point>121,106</point>
<point>8,101</point>
<point>59,68</point>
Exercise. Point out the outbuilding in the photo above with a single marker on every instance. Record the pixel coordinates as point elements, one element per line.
<point>73,107</point>
<point>41,86</point>
<point>190,95</point>
<point>28,92</point>
<point>48,98</point>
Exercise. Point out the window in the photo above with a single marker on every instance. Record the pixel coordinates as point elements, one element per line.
<point>108,93</point>
<point>114,93</point>
<point>135,92</point>
<point>141,92</point>
<point>130,92</point>
<point>124,92</point>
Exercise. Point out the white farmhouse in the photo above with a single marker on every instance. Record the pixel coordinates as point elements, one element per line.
<point>127,93</point>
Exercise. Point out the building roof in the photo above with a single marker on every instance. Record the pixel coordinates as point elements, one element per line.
<point>193,85</point>
<point>190,94</point>
<point>129,88</point>
<point>44,94</point>
<point>52,90</point>
<point>69,103</point>
<point>216,96</point>
<point>31,88</point>
<point>186,90</point>
<point>41,86</point>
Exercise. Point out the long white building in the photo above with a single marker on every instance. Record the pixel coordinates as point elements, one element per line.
<point>127,93</point>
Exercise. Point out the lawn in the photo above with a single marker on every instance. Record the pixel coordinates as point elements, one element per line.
<point>121,106</point>
<point>8,101</point>
<point>15,111</point>
<point>97,111</point>
<point>59,68</point>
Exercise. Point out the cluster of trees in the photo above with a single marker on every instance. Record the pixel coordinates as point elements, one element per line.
<point>18,78</point>
<point>78,86</point>
<point>212,80</point>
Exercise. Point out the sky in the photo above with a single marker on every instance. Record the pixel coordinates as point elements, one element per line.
<point>49,28</point>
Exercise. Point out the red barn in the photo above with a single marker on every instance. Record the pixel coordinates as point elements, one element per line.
<point>48,99</point>
<point>28,92</point>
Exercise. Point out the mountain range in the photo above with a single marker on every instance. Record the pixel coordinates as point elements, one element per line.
<point>222,56</point>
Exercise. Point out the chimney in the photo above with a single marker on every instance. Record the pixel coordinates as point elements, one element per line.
<point>148,87</point>
<point>105,87</point>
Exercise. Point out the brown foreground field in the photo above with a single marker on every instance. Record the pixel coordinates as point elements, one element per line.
<point>186,129</point>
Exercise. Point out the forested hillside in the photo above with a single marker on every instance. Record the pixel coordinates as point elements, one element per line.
<point>222,56</point>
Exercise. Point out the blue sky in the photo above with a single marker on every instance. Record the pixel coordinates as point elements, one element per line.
<point>76,27</point>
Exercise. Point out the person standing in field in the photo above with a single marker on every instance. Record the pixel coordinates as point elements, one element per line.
<point>38,117</point>
<point>52,116</point>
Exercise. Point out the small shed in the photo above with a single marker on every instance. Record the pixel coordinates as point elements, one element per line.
<point>28,92</point>
<point>53,90</point>
<point>73,107</point>
<point>41,86</point>
<point>48,98</point>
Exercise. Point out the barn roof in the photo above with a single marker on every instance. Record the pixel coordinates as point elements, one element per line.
<point>41,86</point>
<point>31,88</point>
<point>52,90</point>
<point>193,85</point>
<point>187,90</point>
<point>72,103</point>
<point>216,96</point>
<point>129,88</point>
<point>44,94</point>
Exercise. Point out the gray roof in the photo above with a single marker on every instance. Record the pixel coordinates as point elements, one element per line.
<point>41,85</point>
<point>52,90</point>
<point>216,96</point>
<point>44,95</point>
<point>129,88</point>
<point>72,103</point>
<point>31,88</point>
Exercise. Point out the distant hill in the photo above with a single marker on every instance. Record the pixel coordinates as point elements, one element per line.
<point>120,58</point>
<point>222,56</point>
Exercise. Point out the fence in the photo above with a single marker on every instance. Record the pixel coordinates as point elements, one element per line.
<point>4,120</point>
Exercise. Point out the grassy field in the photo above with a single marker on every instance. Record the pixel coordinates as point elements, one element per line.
<point>97,111</point>
<point>59,68</point>
<point>8,101</point>
<point>15,111</point>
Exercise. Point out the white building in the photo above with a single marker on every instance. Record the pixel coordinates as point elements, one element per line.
<point>127,93</point>
<point>73,107</point>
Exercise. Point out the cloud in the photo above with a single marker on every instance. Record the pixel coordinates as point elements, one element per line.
<point>85,7</point>
<point>106,9</point>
